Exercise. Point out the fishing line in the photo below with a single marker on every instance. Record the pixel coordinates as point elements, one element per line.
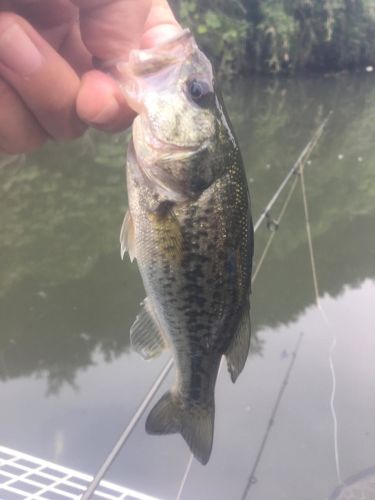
<point>309,238</point>
<point>325,318</point>
<point>138,414</point>
<point>187,470</point>
<point>252,479</point>
<point>298,168</point>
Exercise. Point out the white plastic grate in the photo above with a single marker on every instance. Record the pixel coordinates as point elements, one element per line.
<point>24,477</point>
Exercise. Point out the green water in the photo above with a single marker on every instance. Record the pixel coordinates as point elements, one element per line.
<point>69,381</point>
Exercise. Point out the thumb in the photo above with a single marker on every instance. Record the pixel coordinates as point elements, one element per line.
<point>111,29</point>
<point>160,24</point>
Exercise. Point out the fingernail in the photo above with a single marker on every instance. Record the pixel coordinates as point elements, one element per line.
<point>108,113</point>
<point>18,52</point>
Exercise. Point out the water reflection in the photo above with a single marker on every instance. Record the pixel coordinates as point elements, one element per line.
<point>67,301</point>
<point>56,328</point>
<point>63,289</point>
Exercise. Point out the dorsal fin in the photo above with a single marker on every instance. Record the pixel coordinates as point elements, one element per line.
<point>127,236</point>
<point>145,335</point>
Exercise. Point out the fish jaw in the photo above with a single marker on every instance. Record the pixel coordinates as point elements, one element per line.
<point>167,167</point>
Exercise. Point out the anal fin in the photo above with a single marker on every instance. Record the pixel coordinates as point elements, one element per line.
<point>145,335</point>
<point>127,236</point>
<point>238,351</point>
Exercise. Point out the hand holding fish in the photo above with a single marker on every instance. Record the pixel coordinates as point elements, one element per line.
<point>49,87</point>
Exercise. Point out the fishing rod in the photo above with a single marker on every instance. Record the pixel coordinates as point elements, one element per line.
<point>252,478</point>
<point>302,159</point>
<point>128,430</point>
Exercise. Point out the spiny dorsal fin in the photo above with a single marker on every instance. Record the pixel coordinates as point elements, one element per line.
<point>238,351</point>
<point>195,423</point>
<point>127,237</point>
<point>145,334</point>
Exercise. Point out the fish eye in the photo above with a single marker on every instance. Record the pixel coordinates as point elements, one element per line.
<point>198,90</point>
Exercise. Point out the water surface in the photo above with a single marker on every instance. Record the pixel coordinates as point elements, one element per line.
<point>69,382</point>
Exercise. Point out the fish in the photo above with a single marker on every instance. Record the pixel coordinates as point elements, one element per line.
<point>189,227</point>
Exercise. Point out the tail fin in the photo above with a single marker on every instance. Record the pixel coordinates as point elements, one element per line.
<point>194,423</point>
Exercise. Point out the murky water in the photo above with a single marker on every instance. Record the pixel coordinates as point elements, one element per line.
<point>69,382</point>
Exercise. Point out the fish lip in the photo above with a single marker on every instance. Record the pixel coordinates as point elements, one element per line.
<point>166,147</point>
<point>166,53</point>
<point>181,36</point>
<point>160,145</point>
<point>169,49</point>
<point>175,151</point>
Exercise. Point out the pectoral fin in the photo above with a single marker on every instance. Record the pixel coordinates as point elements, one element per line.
<point>168,230</point>
<point>127,237</point>
<point>145,334</point>
<point>238,350</point>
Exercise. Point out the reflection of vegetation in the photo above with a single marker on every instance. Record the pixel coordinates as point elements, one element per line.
<point>57,328</point>
<point>64,293</point>
<point>58,194</point>
<point>286,35</point>
<point>274,123</point>
<point>59,215</point>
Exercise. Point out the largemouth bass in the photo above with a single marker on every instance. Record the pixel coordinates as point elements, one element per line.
<point>189,227</point>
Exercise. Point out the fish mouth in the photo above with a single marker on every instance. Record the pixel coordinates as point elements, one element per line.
<point>150,66</point>
<point>167,53</point>
<point>162,146</point>
<point>143,132</point>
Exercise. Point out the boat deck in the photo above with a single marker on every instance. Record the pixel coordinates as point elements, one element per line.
<point>26,477</point>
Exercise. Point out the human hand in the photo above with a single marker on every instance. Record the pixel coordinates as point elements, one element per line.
<point>48,85</point>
